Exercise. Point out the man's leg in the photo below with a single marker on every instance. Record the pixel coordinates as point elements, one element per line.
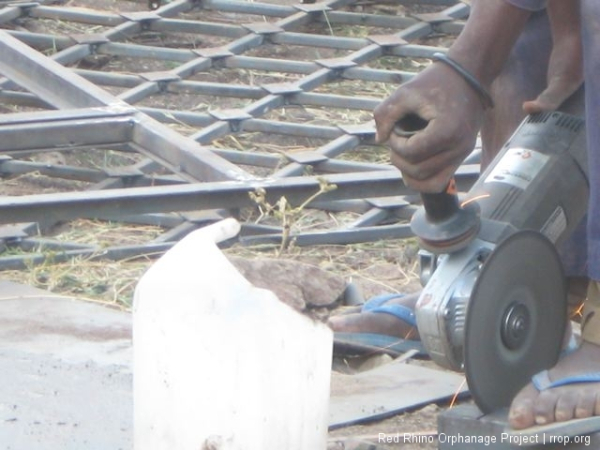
<point>577,400</point>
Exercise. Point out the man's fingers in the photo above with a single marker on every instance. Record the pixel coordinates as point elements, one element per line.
<point>383,120</point>
<point>535,106</point>
<point>549,100</point>
<point>431,175</point>
<point>433,185</point>
<point>559,90</point>
<point>386,118</point>
<point>402,104</point>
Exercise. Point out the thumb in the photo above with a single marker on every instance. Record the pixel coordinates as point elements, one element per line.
<point>384,120</point>
<point>403,103</point>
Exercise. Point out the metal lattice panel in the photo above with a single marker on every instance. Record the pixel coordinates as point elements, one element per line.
<point>206,101</point>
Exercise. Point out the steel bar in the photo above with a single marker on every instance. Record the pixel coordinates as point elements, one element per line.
<point>250,158</point>
<point>66,134</point>
<point>315,40</point>
<point>145,51</point>
<point>177,232</point>
<point>40,40</point>
<point>335,237</point>
<point>242,7</point>
<point>375,75</point>
<point>60,87</point>
<point>248,125</point>
<point>175,7</point>
<point>65,206</point>
<point>45,245</point>
<point>198,27</point>
<point>370,20</point>
<point>110,79</point>
<point>22,262</point>
<point>216,89</point>
<point>270,64</point>
<point>181,154</point>
<point>9,13</point>
<point>155,220</point>
<point>340,166</point>
<point>12,167</point>
<point>212,195</point>
<point>73,55</point>
<point>22,99</point>
<point>82,115</point>
<point>372,217</point>
<point>291,129</point>
<point>335,101</point>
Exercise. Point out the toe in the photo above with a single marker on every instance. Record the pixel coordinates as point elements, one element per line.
<point>336,323</point>
<point>544,407</point>
<point>586,405</point>
<point>521,414</point>
<point>565,405</point>
<point>597,405</point>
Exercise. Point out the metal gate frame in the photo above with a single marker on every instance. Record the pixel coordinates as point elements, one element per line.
<point>72,109</point>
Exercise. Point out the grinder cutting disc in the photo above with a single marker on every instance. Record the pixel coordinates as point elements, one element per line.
<point>515,320</point>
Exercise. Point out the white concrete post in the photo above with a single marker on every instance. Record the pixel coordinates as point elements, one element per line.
<point>220,364</point>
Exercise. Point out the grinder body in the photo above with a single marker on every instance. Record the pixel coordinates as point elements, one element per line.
<point>537,182</point>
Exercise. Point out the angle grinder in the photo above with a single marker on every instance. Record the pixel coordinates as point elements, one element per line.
<point>495,302</point>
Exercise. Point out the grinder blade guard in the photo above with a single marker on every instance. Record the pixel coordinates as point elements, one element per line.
<point>537,182</point>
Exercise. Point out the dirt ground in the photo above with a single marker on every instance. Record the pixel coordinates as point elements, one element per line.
<point>377,268</point>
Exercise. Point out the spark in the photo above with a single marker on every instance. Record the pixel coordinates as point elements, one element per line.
<point>578,312</point>
<point>474,199</point>
<point>456,394</point>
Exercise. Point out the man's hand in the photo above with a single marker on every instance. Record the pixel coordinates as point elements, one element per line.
<point>443,99</point>
<point>450,112</point>
<point>565,69</point>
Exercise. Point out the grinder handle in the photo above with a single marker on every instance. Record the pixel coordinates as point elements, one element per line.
<point>438,206</point>
<point>409,125</point>
<point>443,205</point>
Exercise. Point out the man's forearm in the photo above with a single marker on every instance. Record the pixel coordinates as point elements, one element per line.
<point>565,19</point>
<point>488,37</point>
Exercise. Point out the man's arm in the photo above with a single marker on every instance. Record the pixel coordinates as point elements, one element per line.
<point>441,97</point>
<point>488,37</point>
<point>565,69</point>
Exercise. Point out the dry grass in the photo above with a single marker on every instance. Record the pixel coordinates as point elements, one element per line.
<point>105,282</point>
<point>89,278</point>
<point>103,234</point>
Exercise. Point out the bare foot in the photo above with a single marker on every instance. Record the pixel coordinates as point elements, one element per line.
<point>532,407</point>
<point>377,322</point>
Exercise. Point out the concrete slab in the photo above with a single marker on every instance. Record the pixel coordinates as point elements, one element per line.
<point>65,371</point>
<point>388,390</point>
